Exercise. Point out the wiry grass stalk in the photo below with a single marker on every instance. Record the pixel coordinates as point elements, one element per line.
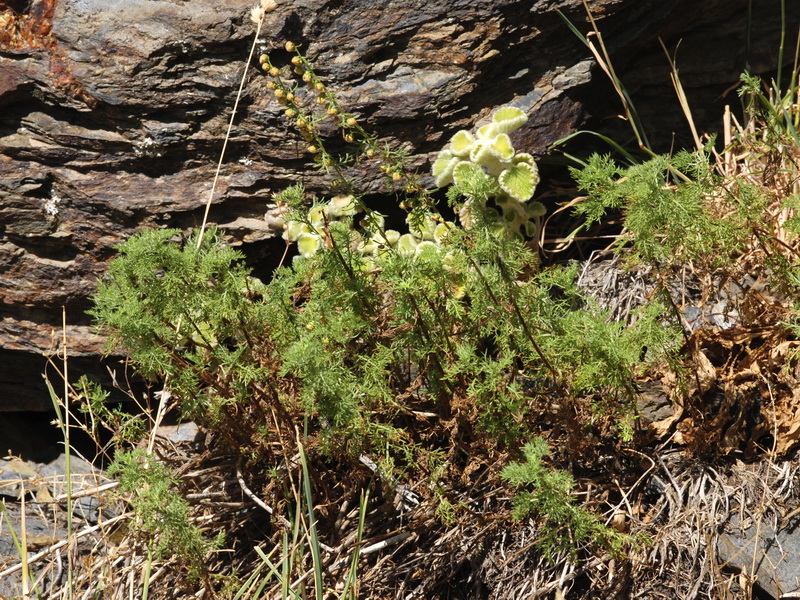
<point>684,102</point>
<point>21,542</point>
<point>228,132</point>
<point>311,526</point>
<point>147,568</point>
<point>62,418</point>
<point>604,61</point>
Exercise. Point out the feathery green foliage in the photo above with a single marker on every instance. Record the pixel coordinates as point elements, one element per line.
<point>161,511</point>
<point>546,493</point>
<point>368,326</point>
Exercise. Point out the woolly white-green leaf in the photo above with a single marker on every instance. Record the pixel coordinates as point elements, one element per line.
<point>392,236</point>
<point>316,216</point>
<point>308,244</point>
<point>501,147</point>
<point>521,157</point>
<point>480,153</point>
<point>294,229</point>
<point>443,168</point>
<point>368,247</point>
<point>461,143</point>
<point>536,209</point>
<point>519,181</point>
<point>487,132</point>
<point>342,206</point>
<point>424,246</point>
<point>373,221</point>
<point>442,230</point>
<point>508,119</point>
<point>407,244</point>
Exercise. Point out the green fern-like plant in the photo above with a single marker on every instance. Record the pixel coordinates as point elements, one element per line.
<point>670,207</point>
<point>162,514</point>
<point>547,494</point>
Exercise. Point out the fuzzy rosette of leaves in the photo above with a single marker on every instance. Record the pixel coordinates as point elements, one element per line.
<point>491,149</point>
<point>484,165</point>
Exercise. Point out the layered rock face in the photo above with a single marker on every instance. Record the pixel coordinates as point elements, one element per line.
<point>114,114</point>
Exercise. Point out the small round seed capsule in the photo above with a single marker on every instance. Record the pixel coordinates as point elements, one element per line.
<point>301,123</point>
<point>290,47</point>
<point>370,153</point>
<point>298,71</point>
<point>279,94</point>
<point>297,61</point>
<point>290,113</point>
<point>307,77</point>
<point>351,122</point>
<point>319,86</point>
<point>332,110</point>
<point>274,71</point>
<point>271,85</point>
<point>263,59</point>
<point>321,100</point>
<point>397,176</point>
<point>312,149</point>
<point>290,97</point>
<point>348,138</point>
